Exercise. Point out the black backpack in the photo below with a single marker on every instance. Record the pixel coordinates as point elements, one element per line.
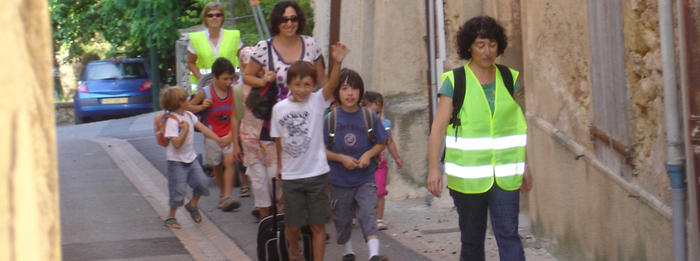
<point>460,87</point>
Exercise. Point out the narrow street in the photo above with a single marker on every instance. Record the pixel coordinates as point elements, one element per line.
<point>113,198</point>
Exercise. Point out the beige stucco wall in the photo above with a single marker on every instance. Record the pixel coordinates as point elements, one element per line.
<point>389,53</point>
<point>590,213</point>
<point>30,227</point>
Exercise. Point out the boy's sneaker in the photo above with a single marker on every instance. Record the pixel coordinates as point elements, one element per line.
<point>381,225</point>
<point>229,204</point>
<point>172,223</point>
<point>349,257</point>
<point>379,258</point>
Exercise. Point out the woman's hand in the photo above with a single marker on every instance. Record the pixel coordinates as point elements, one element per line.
<point>269,76</point>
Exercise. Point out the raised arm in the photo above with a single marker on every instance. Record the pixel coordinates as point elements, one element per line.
<point>338,51</point>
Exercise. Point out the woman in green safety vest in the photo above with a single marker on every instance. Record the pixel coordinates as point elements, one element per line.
<point>205,46</point>
<point>484,143</point>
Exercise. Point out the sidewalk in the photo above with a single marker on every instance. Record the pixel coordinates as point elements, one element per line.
<point>113,193</point>
<point>434,231</point>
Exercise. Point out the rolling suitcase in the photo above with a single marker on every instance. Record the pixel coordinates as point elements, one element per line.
<point>272,244</point>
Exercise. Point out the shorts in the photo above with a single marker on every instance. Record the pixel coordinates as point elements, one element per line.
<point>214,153</point>
<point>180,175</point>
<point>380,178</point>
<point>345,202</point>
<point>306,201</point>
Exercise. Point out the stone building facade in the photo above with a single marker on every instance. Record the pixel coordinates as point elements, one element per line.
<point>592,73</point>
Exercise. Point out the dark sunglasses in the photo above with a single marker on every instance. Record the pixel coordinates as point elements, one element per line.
<point>215,15</point>
<point>285,19</point>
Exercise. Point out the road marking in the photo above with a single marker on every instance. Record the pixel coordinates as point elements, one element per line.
<point>203,241</point>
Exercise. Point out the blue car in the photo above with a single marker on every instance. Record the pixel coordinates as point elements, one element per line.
<point>119,87</point>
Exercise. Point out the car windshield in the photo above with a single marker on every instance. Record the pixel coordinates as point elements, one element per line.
<point>111,71</point>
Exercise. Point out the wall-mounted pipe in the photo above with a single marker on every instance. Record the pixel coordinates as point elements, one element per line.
<point>674,142</point>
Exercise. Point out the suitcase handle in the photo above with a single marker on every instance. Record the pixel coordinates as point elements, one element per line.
<point>274,204</point>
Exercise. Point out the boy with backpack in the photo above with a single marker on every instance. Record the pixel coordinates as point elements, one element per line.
<point>217,100</point>
<point>183,168</point>
<point>355,139</point>
<point>296,126</point>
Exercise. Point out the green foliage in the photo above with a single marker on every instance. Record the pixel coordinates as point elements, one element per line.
<point>245,22</point>
<point>132,26</point>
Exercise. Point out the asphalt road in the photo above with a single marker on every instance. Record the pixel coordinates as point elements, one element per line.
<point>105,216</point>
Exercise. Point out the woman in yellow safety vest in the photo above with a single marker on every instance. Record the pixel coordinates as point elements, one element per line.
<point>485,147</point>
<point>205,46</point>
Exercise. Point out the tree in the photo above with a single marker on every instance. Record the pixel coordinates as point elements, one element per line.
<point>128,25</point>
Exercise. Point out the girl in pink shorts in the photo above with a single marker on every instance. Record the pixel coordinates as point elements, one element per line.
<point>375,101</point>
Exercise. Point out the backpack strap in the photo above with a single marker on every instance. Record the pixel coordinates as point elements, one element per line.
<point>332,121</point>
<point>369,124</point>
<point>507,77</point>
<point>371,135</point>
<point>459,87</point>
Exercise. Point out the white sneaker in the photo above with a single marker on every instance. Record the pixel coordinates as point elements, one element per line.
<point>381,225</point>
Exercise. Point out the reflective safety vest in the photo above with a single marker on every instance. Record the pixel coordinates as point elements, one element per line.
<point>228,48</point>
<point>486,146</point>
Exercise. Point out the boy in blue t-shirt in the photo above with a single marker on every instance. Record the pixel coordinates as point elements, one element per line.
<point>351,156</point>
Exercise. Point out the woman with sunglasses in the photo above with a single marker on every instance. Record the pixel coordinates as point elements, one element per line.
<point>287,45</point>
<point>287,22</point>
<point>205,46</point>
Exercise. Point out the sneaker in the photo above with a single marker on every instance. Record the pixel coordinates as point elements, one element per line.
<point>381,225</point>
<point>229,204</point>
<point>172,223</point>
<point>379,258</point>
<point>349,257</point>
<point>245,192</point>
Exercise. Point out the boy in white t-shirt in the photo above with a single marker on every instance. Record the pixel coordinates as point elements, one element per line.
<point>183,168</point>
<point>297,127</point>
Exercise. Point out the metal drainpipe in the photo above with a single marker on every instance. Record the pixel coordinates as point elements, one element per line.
<point>675,162</point>
<point>431,59</point>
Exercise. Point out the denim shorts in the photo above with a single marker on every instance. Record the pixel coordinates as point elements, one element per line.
<point>181,174</point>
<point>306,201</point>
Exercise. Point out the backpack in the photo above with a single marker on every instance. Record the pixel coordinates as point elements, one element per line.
<point>369,124</point>
<point>159,123</point>
<point>460,87</point>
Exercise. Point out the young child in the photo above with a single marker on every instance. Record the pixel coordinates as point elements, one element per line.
<point>183,169</point>
<point>374,101</point>
<point>297,126</point>
<point>259,156</point>
<point>221,118</point>
<point>351,158</point>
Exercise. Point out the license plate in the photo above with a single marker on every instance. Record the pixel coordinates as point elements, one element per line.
<point>115,100</point>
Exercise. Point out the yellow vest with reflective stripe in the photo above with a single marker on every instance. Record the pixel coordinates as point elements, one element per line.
<point>487,147</point>
<point>228,48</point>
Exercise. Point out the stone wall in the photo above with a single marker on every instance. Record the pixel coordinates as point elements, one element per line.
<point>591,211</point>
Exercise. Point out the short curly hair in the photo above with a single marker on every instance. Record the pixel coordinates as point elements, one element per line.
<point>483,27</point>
<point>278,11</point>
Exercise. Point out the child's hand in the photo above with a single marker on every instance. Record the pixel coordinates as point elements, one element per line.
<point>349,163</point>
<point>399,163</point>
<point>338,51</point>
<point>225,140</point>
<point>184,125</point>
<point>364,160</point>
<point>206,103</point>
